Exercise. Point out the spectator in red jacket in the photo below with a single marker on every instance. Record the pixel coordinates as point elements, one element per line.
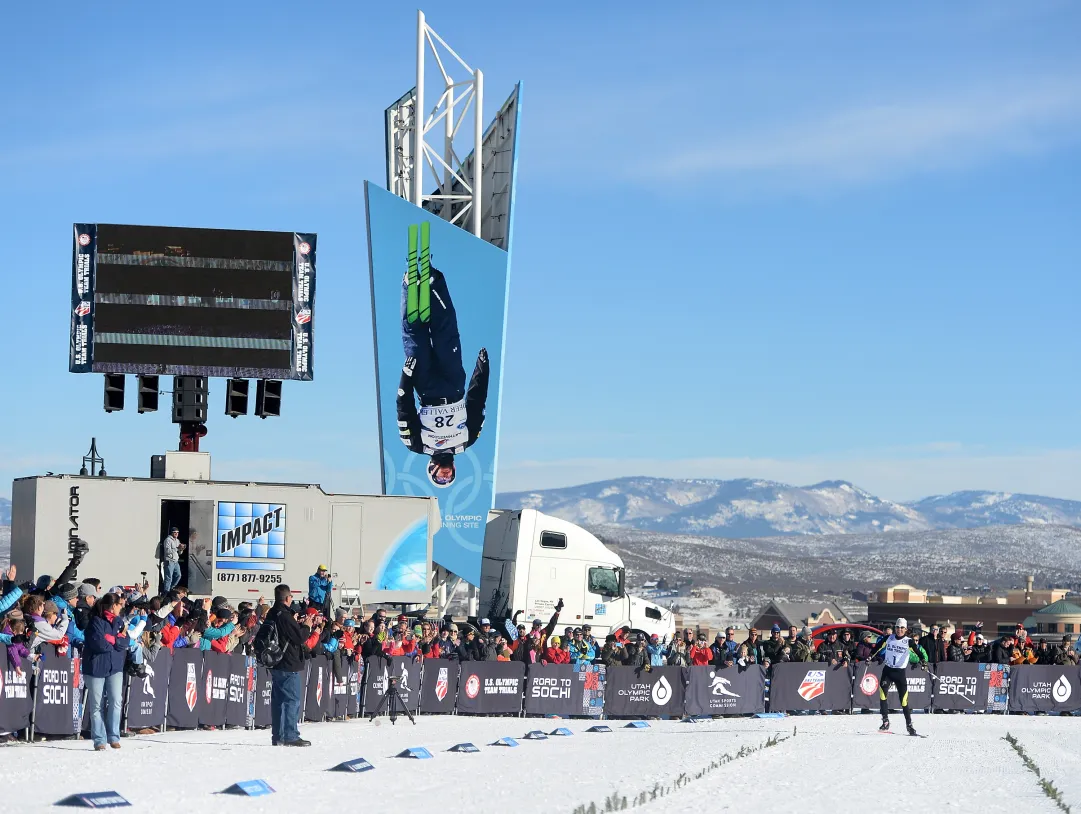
<point>700,654</point>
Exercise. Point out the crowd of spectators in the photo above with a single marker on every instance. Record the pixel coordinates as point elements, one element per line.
<point>120,629</point>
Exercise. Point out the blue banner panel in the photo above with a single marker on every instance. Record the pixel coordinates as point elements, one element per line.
<point>439,298</point>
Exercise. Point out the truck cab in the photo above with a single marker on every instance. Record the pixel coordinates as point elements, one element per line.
<point>531,560</point>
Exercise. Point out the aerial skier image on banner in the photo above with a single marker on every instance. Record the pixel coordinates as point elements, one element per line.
<point>450,415</point>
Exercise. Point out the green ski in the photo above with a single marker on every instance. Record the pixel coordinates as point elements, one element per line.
<point>412,310</point>
<point>425,263</point>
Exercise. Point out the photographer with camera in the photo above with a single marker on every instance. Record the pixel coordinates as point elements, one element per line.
<point>280,647</point>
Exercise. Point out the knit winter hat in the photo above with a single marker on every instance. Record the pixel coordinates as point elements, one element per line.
<point>67,592</point>
<point>50,607</point>
<point>86,589</point>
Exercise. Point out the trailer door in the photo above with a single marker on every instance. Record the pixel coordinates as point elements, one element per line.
<point>202,533</point>
<point>346,522</point>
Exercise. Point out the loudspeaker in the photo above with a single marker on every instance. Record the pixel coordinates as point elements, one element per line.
<point>236,397</point>
<point>268,398</point>
<point>114,392</point>
<point>148,394</point>
<point>189,399</point>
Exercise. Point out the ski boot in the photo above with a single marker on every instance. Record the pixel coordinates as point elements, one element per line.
<point>912,731</point>
<point>885,725</point>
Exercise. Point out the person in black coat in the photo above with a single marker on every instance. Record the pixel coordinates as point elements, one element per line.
<point>1002,650</point>
<point>285,689</point>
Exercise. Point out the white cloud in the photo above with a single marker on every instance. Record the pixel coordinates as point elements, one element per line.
<point>892,137</point>
<point>899,476</point>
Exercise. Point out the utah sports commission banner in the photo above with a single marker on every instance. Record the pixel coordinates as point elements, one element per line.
<point>810,685</point>
<point>865,693</point>
<point>729,691</point>
<point>147,695</point>
<point>439,302</point>
<point>378,671</point>
<point>1045,688</point>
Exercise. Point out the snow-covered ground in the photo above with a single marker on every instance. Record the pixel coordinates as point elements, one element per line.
<point>829,764</point>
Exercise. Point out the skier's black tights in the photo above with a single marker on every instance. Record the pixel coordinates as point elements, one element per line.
<point>894,677</point>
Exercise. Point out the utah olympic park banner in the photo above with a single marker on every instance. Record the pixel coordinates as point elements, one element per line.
<point>439,302</point>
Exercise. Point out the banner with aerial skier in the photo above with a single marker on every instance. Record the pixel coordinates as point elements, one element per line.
<point>439,299</point>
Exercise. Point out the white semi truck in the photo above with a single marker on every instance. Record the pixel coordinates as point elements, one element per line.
<point>532,560</point>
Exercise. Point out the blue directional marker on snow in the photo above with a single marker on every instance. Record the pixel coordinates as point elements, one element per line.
<point>599,728</point>
<point>505,742</point>
<point>562,731</point>
<point>250,788</point>
<point>463,747</point>
<point>358,765</point>
<point>94,799</point>
<point>418,752</point>
<point>637,725</point>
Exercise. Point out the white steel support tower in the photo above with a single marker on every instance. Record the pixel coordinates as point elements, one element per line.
<point>418,138</point>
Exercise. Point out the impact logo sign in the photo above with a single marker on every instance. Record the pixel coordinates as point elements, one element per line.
<point>251,531</point>
<point>813,685</point>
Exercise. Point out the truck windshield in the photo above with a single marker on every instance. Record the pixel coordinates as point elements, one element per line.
<point>604,581</point>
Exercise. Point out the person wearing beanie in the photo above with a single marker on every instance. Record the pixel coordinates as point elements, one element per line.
<point>802,649</point>
<point>320,586</point>
<point>773,647</point>
<point>88,595</point>
<point>44,582</point>
<point>64,597</point>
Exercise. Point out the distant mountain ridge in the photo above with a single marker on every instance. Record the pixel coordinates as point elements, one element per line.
<point>746,508</point>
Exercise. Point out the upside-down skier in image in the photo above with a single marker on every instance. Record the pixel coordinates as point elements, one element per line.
<point>897,650</point>
<point>450,416</point>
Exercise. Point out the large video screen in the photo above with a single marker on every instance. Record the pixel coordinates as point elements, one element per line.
<point>192,302</point>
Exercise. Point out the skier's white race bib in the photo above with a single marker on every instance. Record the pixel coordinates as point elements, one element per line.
<point>443,427</point>
<point>896,652</point>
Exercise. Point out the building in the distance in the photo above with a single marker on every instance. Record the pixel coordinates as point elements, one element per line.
<point>1058,617</point>
<point>996,614</point>
<point>787,614</point>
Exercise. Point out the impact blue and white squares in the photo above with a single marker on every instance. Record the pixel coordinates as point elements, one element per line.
<point>251,531</point>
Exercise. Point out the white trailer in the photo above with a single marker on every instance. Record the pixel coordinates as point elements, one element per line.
<point>241,538</point>
<point>531,560</point>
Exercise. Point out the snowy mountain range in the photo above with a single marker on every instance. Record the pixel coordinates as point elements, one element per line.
<point>758,508</point>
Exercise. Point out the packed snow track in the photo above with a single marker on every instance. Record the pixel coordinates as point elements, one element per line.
<point>963,765</point>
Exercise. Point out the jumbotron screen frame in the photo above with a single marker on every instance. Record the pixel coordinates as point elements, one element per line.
<point>178,301</point>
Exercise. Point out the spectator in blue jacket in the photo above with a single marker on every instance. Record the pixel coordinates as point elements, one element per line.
<point>319,588</point>
<point>63,596</point>
<point>582,651</point>
<point>658,654</point>
<point>103,666</point>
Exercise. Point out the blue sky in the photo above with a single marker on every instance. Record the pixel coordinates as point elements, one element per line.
<point>801,244</point>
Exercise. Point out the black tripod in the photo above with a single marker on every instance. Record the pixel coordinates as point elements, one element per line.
<point>392,699</point>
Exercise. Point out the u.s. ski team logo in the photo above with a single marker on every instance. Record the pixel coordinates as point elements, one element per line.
<point>209,686</point>
<point>441,683</point>
<point>319,687</point>
<point>190,696</point>
<point>813,685</point>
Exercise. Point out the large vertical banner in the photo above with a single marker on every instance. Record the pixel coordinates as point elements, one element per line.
<point>83,266</point>
<point>439,300</point>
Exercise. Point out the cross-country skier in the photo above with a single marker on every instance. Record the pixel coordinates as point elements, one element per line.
<point>450,417</point>
<point>897,650</point>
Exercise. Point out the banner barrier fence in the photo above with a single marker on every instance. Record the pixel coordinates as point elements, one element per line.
<point>865,690</point>
<point>186,688</point>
